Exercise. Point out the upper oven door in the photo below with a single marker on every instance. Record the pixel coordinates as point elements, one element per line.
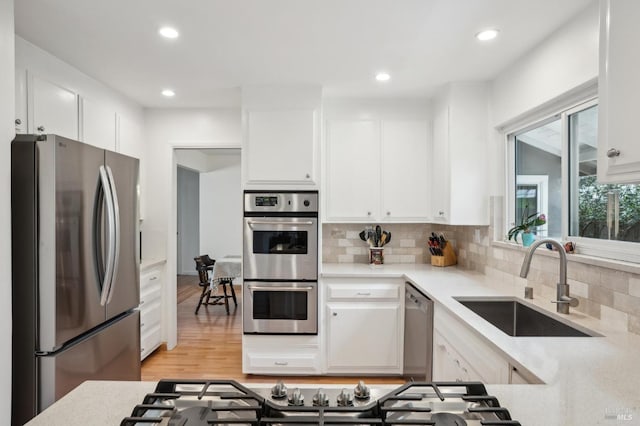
<point>280,248</point>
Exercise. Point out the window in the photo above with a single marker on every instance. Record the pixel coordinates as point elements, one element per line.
<point>553,170</point>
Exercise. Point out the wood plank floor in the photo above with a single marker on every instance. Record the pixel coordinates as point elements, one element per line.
<point>210,346</point>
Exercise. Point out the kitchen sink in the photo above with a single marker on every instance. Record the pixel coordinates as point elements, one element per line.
<point>519,319</point>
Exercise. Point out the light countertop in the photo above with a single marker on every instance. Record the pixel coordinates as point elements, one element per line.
<point>585,379</point>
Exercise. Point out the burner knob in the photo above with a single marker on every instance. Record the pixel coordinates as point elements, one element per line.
<point>320,399</point>
<point>279,390</point>
<point>361,391</point>
<point>345,399</point>
<point>296,398</point>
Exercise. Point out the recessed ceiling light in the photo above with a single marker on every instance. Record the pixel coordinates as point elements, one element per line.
<point>168,32</point>
<point>487,35</point>
<point>382,76</point>
<point>168,93</point>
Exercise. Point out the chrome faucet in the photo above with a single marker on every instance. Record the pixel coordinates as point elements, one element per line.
<point>563,299</point>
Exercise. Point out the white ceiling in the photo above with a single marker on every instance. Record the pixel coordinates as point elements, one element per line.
<point>339,44</point>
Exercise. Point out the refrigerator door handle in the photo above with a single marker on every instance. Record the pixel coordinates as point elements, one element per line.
<point>108,274</point>
<point>116,217</point>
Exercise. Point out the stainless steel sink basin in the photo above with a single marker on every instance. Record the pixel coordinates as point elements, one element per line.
<point>519,319</point>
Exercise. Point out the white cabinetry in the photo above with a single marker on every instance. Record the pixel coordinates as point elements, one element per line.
<point>364,323</point>
<point>280,355</point>
<point>459,171</point>
<point>370,165</point>
<point>280,137</point>
<point>150,310</point>
<point>52,108</point>
<point>460,354</point>
<point>619,89</point>
<point>98,124</point>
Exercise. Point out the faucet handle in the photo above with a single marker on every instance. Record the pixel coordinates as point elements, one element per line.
<point>571,301</point>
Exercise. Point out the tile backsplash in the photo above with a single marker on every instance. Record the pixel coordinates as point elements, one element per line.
<point>605,293</point>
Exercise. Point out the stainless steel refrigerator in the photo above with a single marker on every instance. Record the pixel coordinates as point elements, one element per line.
<point>76,267</point>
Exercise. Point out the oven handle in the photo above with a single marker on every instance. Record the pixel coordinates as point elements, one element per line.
<point>273,222</point>
<point>256,287</point>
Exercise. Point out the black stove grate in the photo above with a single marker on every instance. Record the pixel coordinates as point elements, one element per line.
<point>258,411</point>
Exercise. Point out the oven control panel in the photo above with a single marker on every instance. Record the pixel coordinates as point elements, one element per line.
<point>281,202</point>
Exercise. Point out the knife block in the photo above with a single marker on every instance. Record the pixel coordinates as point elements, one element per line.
<point>448,257</point>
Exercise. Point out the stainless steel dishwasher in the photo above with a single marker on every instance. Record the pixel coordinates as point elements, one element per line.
<point>418,335</point>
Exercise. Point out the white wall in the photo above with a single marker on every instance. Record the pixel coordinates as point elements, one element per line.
<point>167,129</point>
<point>221,208</point>
<point>566,60</point>
<point>7,132</point>
<point>188,220</point>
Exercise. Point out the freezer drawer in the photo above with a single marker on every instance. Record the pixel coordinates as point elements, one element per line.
<point>111,353</point>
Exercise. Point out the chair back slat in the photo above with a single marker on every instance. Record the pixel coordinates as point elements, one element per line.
<point>204,264</point>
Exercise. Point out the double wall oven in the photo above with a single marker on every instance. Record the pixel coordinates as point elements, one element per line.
<point>280,262</point>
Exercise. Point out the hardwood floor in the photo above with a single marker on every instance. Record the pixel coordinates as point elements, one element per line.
<point>210,345</point>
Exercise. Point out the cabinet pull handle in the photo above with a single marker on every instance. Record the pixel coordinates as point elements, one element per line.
<point>281,363</point>
<point>141,302</point>
<point>141,350</point>
<point>153,278</point>
<point>441,213</point>
<point>361,293</point>
<point>40,128</point>
<point>18,121</point>
<point>141,324</point>
<point>613,153</point>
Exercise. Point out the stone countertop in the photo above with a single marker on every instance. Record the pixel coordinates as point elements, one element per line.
<point>148,263</point>
<point>587,380</point>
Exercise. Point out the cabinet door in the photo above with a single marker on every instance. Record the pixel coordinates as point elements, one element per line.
<point>619,87</point>
<point>281,146</point>
<point>98,125</point>
<point>363,337</point>
<point>53,108</point>
<point>404,164</point>
<point>439,166</point>
<point>353,170</point>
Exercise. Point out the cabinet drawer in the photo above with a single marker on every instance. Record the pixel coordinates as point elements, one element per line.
<point>150,278</point>
<point>363,292</point>
<point>150,341</point>
<point>301,363</point>
<point>150,316</point>
<point>149,295</point>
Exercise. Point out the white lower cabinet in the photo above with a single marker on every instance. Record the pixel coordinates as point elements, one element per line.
<point>364,326</point>
<point>280,355</point>
<point>150,310</point>
<point>461,355</point>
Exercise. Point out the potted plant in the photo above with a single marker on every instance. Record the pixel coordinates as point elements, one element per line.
<point>527,224</point>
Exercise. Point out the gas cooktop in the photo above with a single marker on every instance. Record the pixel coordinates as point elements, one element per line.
<point>226,402</point>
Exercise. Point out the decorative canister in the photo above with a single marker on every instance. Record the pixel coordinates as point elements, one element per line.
<point>376,255</point>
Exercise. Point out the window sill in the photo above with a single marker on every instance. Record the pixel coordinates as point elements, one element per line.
<point>617,265</point>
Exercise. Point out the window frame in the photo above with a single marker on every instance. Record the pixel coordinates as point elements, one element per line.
<point>606,249</point>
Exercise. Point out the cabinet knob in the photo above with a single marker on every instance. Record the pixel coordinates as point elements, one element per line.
<point>388,213</point>
<point>335,314</point>
<point>141,302</point>
<point>18,121</point>
<point>307,175</point>
<point>441,213</point>
<point>613,153</point>
<point>141,324</point>
<point>368,213</point>
<point>40,128</point>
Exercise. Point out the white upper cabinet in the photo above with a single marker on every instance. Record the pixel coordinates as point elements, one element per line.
<point>405,170</point>
<point>459,171</point>
<point>376,162</point>
<point>352,151</point>
<point>98,124</point>
<point>52,108</point>
<point>619,89</point>
<point>281,137</point>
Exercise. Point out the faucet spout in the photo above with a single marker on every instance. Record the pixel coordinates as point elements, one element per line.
<point>563,299</point>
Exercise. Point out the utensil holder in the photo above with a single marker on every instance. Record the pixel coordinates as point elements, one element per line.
<point>448,257</point>
<point>376,255</point>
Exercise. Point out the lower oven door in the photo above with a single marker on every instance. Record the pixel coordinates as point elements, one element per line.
<point>280,307</point>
